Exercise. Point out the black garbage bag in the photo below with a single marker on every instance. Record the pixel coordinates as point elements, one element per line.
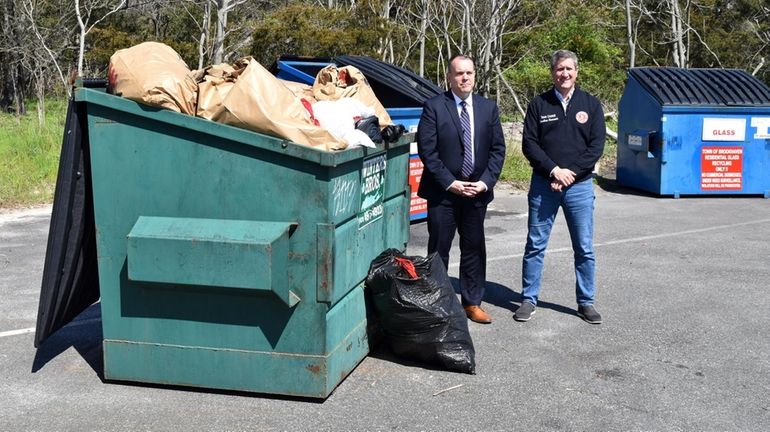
<point>371,127</point>
<point>419,313</point>
<point>391,133</point>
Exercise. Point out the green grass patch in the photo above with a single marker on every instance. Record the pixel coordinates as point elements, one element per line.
<point>29,155</point>
<point>516,169</point>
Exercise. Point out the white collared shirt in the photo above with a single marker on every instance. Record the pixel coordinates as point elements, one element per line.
<point>564,100</point>
<point>469,108</point>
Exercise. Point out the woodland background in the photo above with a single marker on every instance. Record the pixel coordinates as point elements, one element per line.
<point>46,42</point>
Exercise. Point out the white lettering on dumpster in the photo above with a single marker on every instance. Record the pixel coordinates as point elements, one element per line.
<point>372,190</point>
<point>724,129</point>
<point>762,124</point>
<point>721,168</point>
<point>344,194</point>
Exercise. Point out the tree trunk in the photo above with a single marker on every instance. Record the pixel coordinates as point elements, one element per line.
<point>223,7</point>
<point>387,41</point>
<point>40,91</point>
<point>205,28</point>
<point>85,25</point>
<point>677,34</point>
<point>468,28</point>
<point>423,30</point>
<point>630,36</point>
<point>488,44</point>
<point>6,66</point>
<point>81,38</point>
<point>17,82</point>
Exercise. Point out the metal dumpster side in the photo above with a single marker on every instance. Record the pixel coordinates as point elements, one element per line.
<point>234,260</point>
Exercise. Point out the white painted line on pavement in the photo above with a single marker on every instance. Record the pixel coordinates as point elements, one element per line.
<point>32,329</point>
<point>17,332</point>
<point>633,239</point>
<point>8,216</point>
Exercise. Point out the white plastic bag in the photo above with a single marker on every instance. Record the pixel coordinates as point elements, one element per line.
<point>339,118</point>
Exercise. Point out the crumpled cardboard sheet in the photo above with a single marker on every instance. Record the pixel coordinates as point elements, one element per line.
<point>260,102</point>
<point>333,83</point>
<point>154,74</point>
<point>214,83</point>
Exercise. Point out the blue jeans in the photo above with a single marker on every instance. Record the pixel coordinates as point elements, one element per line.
<point>578,204</point>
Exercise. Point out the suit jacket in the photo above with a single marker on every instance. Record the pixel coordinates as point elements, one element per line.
<point>440,145</point>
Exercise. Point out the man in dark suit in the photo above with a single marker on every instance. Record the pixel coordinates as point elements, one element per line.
<point>461,144</point>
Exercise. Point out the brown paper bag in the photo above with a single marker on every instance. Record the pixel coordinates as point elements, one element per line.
<point>214,83</point>
<point>333,83</point>
<point>260,102</point>
<point>153,73</point>
<point>300,90</point>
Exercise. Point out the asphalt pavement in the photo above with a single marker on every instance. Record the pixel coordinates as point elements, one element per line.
<point>683,285</point>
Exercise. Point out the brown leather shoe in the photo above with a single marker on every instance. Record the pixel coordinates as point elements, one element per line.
<point>477,314</point>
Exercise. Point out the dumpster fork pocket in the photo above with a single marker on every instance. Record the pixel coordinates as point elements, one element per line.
<point>212,252</point>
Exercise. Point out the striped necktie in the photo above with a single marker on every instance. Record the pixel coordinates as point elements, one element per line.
<point>465,121</point>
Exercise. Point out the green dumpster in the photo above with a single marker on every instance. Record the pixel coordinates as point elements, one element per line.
<point>234,260</point>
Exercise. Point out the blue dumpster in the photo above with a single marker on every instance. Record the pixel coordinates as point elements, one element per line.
<point>694,132</point>
<point>400,91</point>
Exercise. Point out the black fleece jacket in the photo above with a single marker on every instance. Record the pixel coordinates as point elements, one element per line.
<point>574,140</point>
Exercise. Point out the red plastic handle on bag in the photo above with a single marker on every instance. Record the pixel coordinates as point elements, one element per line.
<point>408,266</point>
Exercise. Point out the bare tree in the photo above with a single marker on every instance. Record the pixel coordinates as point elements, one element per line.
<point>672,18</point>
<point>483,26</point>
<point>678,33</point>
<point>89,13</point>
<point>223,8</point>
<point>43,37</point>
<point>630,36</point>
<point>762,34</point>
<point>389,11</point>
<point>10,47</point>
<point>191,8</point>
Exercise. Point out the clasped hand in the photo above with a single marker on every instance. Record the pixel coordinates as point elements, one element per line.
<point>562,178</point>
<point>466,189</point>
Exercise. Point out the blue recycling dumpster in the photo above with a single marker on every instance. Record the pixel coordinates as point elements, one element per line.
<point>694,132</point>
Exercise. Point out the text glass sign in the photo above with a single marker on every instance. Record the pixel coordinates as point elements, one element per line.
<point>724,129</point>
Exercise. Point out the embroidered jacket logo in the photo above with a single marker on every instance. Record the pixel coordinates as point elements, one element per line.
<point>548,118</point>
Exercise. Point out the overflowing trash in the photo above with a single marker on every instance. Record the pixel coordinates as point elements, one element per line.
<point>337,112</point>
<point>214,83</point>
<point>153,74</point>
<point>333,83</point>
<point>259,102</point>
<point>340,118</point>
<point>419,312</point>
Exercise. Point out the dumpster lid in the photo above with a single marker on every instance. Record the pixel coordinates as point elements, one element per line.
<point>395,87</point>
<point>411,89</point>
<point>716,87</point>
<point>70,275</point>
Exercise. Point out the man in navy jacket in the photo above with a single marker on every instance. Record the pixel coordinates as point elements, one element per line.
<point>563,139</point>
<point>460,141</point>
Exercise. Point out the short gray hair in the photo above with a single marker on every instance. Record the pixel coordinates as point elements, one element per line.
<point>560,55</point>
